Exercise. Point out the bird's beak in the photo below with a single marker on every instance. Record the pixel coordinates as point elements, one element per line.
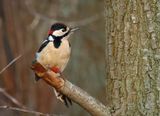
<point>74,29</point>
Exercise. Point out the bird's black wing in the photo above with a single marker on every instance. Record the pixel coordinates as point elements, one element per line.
<point>39,50</point>
<point>43,45</point>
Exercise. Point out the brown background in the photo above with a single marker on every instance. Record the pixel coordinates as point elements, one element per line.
<point>24,25</point>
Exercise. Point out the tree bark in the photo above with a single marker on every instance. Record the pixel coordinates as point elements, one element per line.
<point>132,57</point>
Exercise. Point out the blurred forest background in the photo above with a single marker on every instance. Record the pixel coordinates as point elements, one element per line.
<point>24,25</point>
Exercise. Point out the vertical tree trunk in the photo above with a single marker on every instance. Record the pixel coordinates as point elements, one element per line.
<point>133,57</point>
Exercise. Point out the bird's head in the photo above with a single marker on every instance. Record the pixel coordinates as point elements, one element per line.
<point>60,30</point>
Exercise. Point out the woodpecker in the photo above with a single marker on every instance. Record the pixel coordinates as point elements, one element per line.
<point>54,53</point>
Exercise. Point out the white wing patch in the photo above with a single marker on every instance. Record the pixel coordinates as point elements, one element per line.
<point>37,55</point>
<point>50,38</point>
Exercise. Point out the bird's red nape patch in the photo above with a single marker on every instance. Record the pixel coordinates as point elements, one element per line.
<point>50,32</point>
<point>55,69</point>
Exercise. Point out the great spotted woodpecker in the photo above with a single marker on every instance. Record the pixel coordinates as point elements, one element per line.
<point>54,53</point>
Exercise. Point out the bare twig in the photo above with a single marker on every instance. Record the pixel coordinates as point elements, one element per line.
<point>20,107</point>
<point>34,22</point>
<point>12,99</point>
<point>38,16</point>
<point>86,21</point>
<point>8,65</point>
<point>75,93</point>
<point>26,111</point>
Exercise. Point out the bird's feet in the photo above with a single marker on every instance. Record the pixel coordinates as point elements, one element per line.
<point>57,71</point>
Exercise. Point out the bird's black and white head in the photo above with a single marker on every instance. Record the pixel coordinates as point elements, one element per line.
<point>60,31</point>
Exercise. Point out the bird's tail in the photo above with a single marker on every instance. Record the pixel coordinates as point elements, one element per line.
<point>67,101</point>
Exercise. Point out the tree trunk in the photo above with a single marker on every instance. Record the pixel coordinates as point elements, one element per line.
<point>133,57</point>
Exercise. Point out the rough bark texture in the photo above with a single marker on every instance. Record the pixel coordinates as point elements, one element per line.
<point>132,57</point>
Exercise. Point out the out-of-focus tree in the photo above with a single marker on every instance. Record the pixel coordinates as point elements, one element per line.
<point>133,57</point>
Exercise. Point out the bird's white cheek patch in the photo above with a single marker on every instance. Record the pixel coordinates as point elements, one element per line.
<point>58,33</point>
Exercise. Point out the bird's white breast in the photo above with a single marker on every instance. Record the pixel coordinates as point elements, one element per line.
<point>51,56</point>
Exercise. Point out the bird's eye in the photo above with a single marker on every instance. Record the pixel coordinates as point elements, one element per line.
<point>63,30</point>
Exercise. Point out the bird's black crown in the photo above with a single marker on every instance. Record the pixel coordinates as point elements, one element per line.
<point>58,26</point>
